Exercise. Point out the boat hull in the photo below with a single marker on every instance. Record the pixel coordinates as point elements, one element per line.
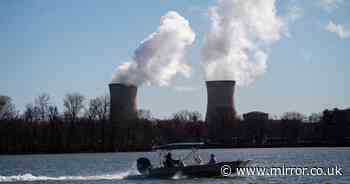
<point>196,171</point>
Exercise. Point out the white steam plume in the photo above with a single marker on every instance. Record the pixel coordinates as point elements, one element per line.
<point>240,34</point>
<point>161,55</point>
<point>342,31</point>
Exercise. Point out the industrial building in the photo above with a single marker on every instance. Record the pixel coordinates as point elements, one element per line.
<point>123,102</point>
<point>256,116</point>
<point>220,100</point>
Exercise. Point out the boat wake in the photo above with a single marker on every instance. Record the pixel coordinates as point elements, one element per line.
<point>30,177</point>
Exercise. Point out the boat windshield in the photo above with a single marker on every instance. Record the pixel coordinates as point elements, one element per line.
<point>187,145</point>
<point>164,149</point>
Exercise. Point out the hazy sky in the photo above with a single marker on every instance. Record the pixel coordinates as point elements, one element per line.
<point>60,47</point>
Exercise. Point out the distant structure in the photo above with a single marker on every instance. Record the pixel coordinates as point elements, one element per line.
<point>220,100</point>
<point>256,115</point>
<point>337,116</point>
<point>123,102</point>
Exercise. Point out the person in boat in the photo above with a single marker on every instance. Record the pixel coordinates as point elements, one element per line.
<point>170,162</point>
<point>212,159</point>
<point>197,159</point>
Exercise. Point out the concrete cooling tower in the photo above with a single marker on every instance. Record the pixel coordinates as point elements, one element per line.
<point>123,102</point>
<point>220,100</point>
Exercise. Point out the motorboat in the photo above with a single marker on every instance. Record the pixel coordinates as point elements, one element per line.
<point>198,170</point>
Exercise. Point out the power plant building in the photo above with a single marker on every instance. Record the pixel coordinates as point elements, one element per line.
<point>123,102</point>
<point>256,115</point>
<point>220,100</point>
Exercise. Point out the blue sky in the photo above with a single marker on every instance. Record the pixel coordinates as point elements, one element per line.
<point>60,47</point>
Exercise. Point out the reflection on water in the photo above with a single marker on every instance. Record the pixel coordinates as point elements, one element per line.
<point>116,167</point>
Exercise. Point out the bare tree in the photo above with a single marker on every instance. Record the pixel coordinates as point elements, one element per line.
<point>293,116</point>
<point>42,106</point>
<point>91,112</point>
<point>104,110</point>
<point>53,112</point>
<point>182,115</point>
<point>73,104</point>
<point>7,108</point>
<point>195,116</point>
<point>98,108</point>
<point>186,115</point>
<point>30,113</point>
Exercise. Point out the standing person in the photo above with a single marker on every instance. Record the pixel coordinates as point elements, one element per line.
<point>212,159</point>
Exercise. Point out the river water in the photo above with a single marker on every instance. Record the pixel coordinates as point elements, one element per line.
<point>115,168</point>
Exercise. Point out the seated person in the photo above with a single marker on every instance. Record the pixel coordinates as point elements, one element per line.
<point>197,159</point>
<point>170,162</point>
<point>212,159</point>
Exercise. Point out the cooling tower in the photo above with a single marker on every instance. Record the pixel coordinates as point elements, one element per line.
<point>123,102</point>
<point>220,103</point>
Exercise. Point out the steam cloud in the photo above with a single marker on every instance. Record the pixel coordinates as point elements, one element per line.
<point>240,34</point>
<point>160,56</point>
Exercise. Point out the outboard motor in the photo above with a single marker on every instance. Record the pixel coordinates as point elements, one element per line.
<point>144,165</point>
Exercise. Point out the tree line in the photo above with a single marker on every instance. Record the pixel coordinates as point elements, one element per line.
<point>83,125</point>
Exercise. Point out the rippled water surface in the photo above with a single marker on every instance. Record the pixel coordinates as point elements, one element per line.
<point>115,167</point>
